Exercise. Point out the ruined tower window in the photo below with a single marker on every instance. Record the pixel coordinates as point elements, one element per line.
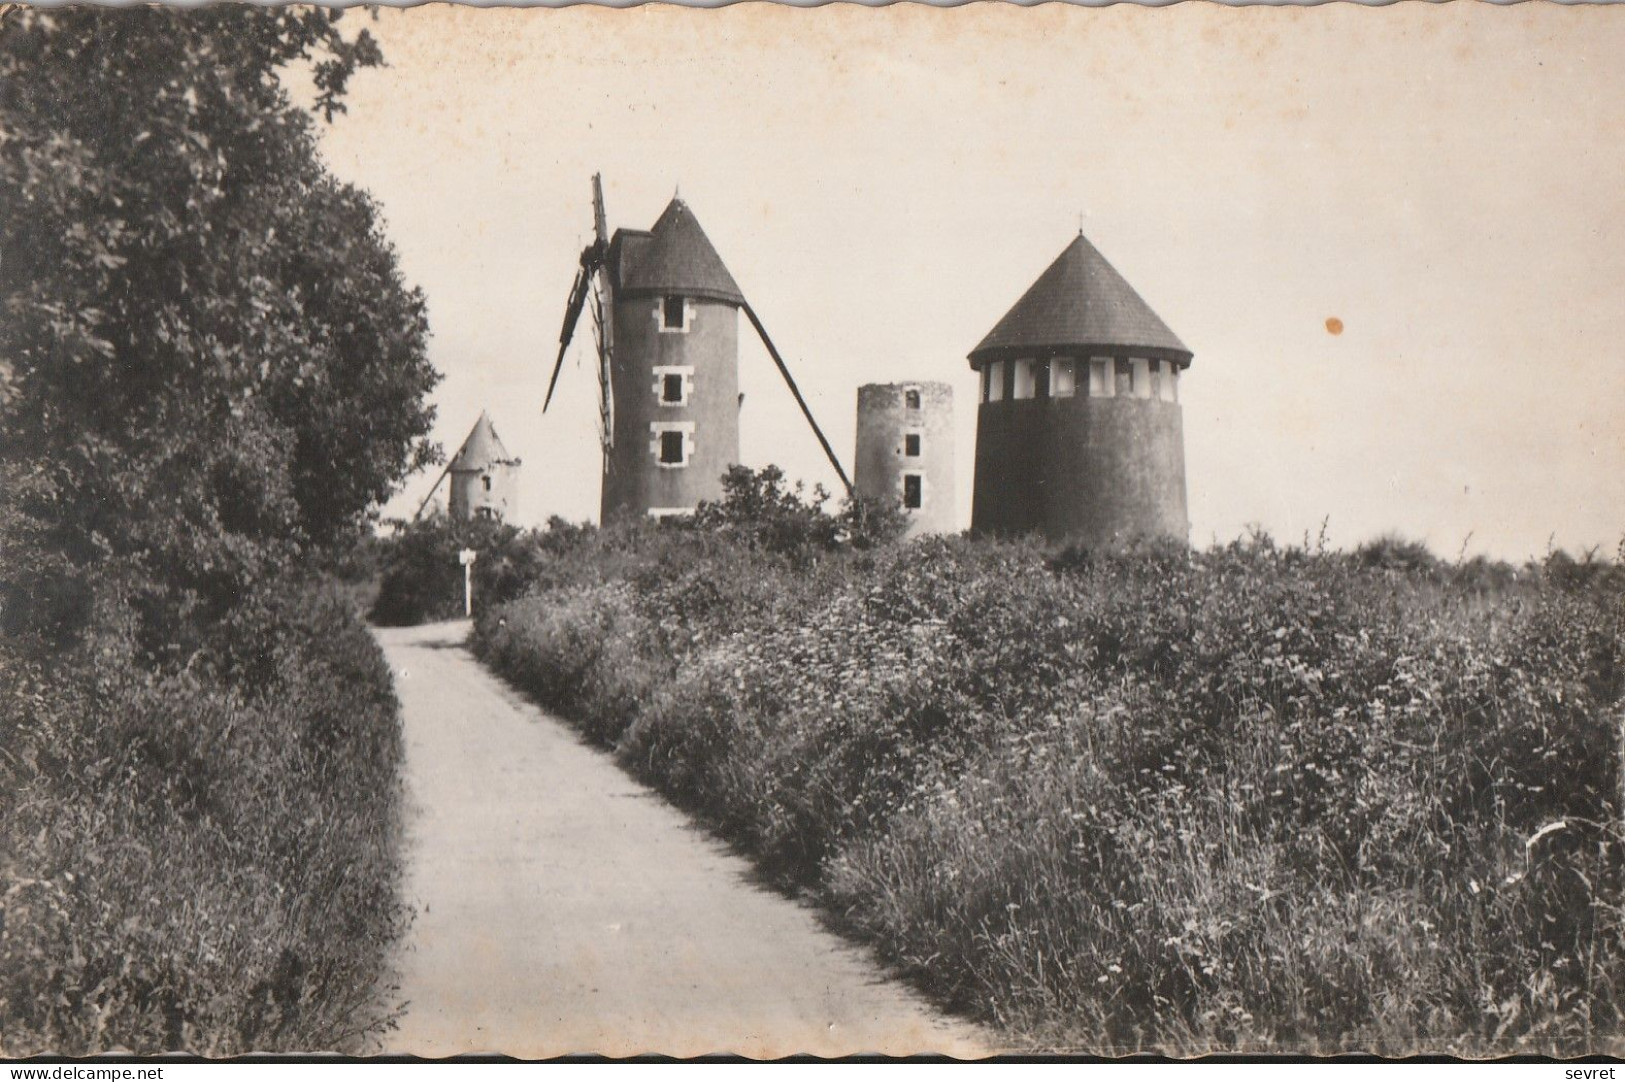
<point>1063,381</point>
<point>911,444</point>
<point>913,491</point>
<point>485,481</point>
<point>911,399</point>
<point>995,381</point>
<point>1026,381</point>
<point>673,313</point>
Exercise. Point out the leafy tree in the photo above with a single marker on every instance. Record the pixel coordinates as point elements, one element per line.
<point>760,509</point>
<point>209,362</point>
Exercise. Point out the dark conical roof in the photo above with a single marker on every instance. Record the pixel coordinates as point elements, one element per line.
<point>677,257</point>
<point>481,449</point>
<point>1080,302</point>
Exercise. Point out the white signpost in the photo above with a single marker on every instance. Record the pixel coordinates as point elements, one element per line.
<point>467,557</point>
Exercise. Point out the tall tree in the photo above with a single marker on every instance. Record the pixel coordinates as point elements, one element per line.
<point>208,358</point>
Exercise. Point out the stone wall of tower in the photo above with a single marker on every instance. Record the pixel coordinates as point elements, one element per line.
<point>1097,469</point>
<point>704,357</point>
<point>493,492</point>
<point>889,414</point>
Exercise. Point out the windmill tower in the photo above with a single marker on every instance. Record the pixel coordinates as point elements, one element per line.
<point>906,451</point>
<point>1079,434</point>
<point>484,476</point>
<point>665,314</point>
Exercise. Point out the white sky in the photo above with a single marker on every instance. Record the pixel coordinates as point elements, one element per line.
<point>884,183</point>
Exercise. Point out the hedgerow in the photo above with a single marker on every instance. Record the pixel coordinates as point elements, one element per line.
<point>202,859</point>
<point>1249,798</point>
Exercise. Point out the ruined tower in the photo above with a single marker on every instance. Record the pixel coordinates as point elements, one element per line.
<point>1079,434</point>
<point>675,369</point>
<point>484,476</point>
<point>905,451</point>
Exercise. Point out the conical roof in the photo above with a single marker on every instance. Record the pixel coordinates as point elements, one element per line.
<point>1080,303</point>
<point>482,448</point>
<point>677,258</point>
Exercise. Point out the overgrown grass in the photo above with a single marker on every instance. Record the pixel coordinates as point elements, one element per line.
<point>205,858</point>
<point>1251,798</point>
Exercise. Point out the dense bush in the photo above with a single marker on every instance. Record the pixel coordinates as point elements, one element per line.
<point>423,581</point>
<point>202,859</point>
<point>1252,798</point>
<point>211,374</point>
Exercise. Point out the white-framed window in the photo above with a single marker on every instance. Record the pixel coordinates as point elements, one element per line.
<point>913,490</point>
<point>671,443</point>
<point>911,398</point>
<point>995,381</point>
<point>674,314</point>
<point>1026,378</point>
<point>673,384</point>
<point>1063,379</point>
<point>913,443</point>
<point>1102,377</point>
<point>1142,376</point>
<point>1168,385</point>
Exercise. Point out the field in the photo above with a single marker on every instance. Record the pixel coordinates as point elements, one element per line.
<point>1252,798</point>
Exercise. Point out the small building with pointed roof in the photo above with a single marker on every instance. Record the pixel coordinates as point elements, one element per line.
<point>674,369</point>
<point>484,476</point>
<point>1079,434</point>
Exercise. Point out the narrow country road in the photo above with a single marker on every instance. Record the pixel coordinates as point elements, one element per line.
<point>565,908</point>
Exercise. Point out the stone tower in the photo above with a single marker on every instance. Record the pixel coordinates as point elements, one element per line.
<point>674,369</point>
<point>905,451</point>
<point>484,476</point>
<point>1079,435</point>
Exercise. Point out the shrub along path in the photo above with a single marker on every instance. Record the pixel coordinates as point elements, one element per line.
<point>564,907</point>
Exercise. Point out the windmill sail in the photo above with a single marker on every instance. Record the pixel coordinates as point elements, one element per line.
<point>592,282</point>
<point>603,315</point>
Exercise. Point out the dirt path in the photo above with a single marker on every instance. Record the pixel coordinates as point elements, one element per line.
<point>564,907</point>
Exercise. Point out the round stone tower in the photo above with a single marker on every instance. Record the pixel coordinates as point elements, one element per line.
<point>674,369</point>
<point>905,451</point>
<point>484,476</point>
<point>1079,435</point>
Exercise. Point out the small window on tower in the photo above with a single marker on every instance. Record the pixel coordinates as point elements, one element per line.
<point>1142,376</point>
<point>1101,379</point>
<point>486,481</point>
<point>913,491</point>
<point>1062,378</point>
<point>1125,378</point>
<point>671,389</point>
<point>1026,381</point>
<point>911,399</point>
<point>674,313</point>
<point>911,444</point>
<point>671,449</point>
<point>995,381</point>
